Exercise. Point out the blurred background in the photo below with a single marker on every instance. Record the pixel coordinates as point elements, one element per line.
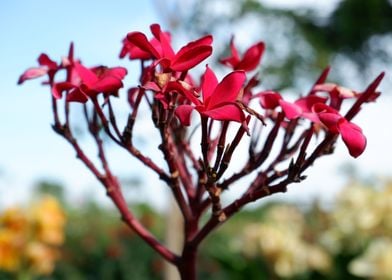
<point>334,225</point>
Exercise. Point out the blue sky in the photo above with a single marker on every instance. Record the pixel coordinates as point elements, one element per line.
<point>29,150</point>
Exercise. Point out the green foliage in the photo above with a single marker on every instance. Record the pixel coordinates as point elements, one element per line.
<point>274,241</point>
<point>99,246</point>
<point>302,42</point>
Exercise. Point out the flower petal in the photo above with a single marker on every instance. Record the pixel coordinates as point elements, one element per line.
<point>44,60</point>
<point>306,103</point>
<point>269,99</point>
<point>330,120</point>
<point>228,112</point>
<point>291,110</point>
<point>353,137</point>
<point>118,72</point>
<point>227,90</point>
<point>188,58</point>
<point>58,88</point>
<point>251,58</point>
<point>164,39</point>
<point>234,59</point>
<point>32,73</point>
<point>88,77</point>
<point>107,85</point>
<point>76,96</point>
<point>192,54</point>
<point>183,113</point>
<point>140,40</point>
<point>132,95</point>
<point>208,84</point>
<point>327,87</point>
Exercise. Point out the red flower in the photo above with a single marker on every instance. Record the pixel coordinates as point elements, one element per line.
<point>336,93</point>
<point>164,85</point>
<point>47,66</point>
<point>186,58</point>
<point>94,81</point>
<point>313,107</point>
<point>219,99</point>
<point>250,60</point>
<point>351,134</point>
<point>302,107</point>
<point>269,99</point>
<point>134,52</point>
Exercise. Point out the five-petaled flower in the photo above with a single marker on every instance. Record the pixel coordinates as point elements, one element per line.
<point>159,48</point>
<point>351,133</point>
<point>47,67</point>
<point>249,61</point>
<point>219,99</point>
<point>313,108</point>
<point>93,81</point>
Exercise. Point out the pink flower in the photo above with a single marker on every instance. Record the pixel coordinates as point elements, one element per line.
<point>269,99</point>
<point>303,107</point>
<point>300,108</point>
<point>160,49</point>
<point>351,134</point>
<point>336,93</point>
<point>47,66</point>
<point>313,107</point>
<point>250,60</point>
<point>94,81</point>
<point>164,85</point>
<point>219,99</point>
<point>134,52</point>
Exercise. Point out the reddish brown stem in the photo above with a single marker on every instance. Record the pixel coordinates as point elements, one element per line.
<point>175,185</point>
<point>114,192</point>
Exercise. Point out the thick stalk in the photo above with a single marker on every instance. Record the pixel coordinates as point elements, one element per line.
<point>188,260</point>
<point>187,266</point>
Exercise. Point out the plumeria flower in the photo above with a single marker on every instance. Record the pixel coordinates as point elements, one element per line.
<point>94,81</point>
<point>249,61</point>
<point>218,99</point>
<point>336,93</point>
<point>313,108</point>
<point>47,67</point>
<point>351,134</point>
<point>50,68</point>
<point>160,49</point>
<point>164,85</point>
<point>134,52</point>
<point>269,99</point>
<point>303,107</point>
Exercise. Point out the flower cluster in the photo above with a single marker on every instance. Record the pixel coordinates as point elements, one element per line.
<point>167,77</point>
<point>227,109</point>
<point>358,227</point>
<point>361,222</point>
<point>280,240</point>
<point>30,239</point>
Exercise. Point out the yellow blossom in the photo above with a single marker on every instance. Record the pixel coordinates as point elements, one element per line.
<point>50,220</point>
<point>13,219</point>
<point>279,239</point>
<point>375,262</point>
<point>41,257</point>
<point>29,239</point>
<point>9,250</point>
